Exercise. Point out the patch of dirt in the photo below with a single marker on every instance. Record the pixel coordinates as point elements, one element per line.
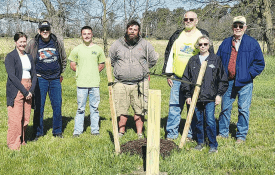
<point>139,147</point>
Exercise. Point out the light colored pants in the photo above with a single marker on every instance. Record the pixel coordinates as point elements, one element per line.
<point>94,99</point>
<point>135,95</point>
<point>176,104</point>
<point>244,94</point>
<point>19,117</point>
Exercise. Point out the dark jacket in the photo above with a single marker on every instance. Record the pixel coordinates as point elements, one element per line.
<point>32,49</point>
<point>214,81</point>
<point>171,42</point>
<point>250,61</point>
<point>13,66</point>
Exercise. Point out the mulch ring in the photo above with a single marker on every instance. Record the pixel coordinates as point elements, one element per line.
<point>139,147</point>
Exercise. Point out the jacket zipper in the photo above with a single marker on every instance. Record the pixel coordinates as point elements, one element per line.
<point>130,60</point>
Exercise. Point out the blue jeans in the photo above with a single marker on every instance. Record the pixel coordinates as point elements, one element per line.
<point>53,87</point>
<point>176,103</point>
<point>94,98</point>
<point>244,101</point>
<point>205,111</point>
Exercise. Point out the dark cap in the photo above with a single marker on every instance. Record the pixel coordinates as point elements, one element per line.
<point>44,24</point>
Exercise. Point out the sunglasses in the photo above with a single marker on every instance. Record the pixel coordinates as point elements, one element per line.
<point>190,19</point>
<point>236,26</point>
<point>203,44</point>
<point>43,29</point>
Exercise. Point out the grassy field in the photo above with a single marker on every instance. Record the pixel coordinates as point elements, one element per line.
<point>95,155</point>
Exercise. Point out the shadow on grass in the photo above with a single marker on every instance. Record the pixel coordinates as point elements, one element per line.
<point>30,135</point>
<point>232,126</point>
<point>163,124</point>
<point>111,136</point>
<point>131,124</point>
<point>87,122</point>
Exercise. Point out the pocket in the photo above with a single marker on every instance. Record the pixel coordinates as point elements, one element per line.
<point>244,77</point>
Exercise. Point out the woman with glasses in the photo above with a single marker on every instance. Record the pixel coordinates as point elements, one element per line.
<point>19,91</point>
<point>213,86</point>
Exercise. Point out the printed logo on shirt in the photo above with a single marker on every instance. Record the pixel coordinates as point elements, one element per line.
<point>47,55</point>
<point>188,48</point>
<point>212,66</point>
<point>94,52</point>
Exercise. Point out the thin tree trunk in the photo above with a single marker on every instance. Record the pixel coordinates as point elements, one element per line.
<point>269,34</point>
<point>104,24</point>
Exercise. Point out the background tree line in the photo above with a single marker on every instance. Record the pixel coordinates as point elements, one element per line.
<point>109,17</point>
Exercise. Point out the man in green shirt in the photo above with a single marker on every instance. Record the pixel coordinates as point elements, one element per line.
<point>87,60</point>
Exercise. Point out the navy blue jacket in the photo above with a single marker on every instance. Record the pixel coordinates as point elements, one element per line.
<point>13,66</point>
<point>214,81</point>
<point>250,61</point>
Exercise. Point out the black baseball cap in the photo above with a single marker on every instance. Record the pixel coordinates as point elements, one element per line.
<point>44,24</point>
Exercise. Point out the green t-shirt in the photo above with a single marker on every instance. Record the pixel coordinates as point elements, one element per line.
<point>87,60</point>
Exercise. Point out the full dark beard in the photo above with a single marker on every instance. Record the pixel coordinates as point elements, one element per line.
<point>131,41</point>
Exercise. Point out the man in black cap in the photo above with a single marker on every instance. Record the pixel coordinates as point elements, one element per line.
<point>50,61</point>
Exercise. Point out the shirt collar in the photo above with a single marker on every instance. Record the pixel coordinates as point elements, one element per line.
<point>237,40</point>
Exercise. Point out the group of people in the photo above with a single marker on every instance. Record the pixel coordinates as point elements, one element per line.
<point>35,69</point>
<point>228,74</point>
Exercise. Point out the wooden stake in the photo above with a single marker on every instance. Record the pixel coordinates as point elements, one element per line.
<point>193,104</point>
<point>112,105</point>
<point>153,132</point>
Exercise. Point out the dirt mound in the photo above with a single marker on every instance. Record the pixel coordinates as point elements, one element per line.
<point>139,147</point>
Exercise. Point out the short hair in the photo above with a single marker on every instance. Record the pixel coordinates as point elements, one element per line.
<point>19,35</point>
<point>86,27</point>
<point>132,23</point>
<point>203,37</point>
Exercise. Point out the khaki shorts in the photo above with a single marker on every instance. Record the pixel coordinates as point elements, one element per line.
<point>135,95</point>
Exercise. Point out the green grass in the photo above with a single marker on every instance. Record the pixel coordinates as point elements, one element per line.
<point>96,155</point>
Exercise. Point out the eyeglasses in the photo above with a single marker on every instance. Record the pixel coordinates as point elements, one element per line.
<point>236,26</point>
<point>43,29</point>
<point>203,44</point>
<point>190,19</point>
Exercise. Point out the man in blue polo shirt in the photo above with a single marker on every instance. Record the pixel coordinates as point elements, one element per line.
<point>50,61</point>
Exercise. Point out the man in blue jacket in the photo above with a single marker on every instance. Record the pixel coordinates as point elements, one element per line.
<point>243,60</point>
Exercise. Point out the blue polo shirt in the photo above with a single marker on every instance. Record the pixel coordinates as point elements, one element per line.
<point>48,63</point>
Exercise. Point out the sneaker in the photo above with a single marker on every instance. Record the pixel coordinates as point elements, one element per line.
<point>239,141</point>
<point>199,147</point>
<point>213,150</point>
<point>120,134</point>
<point>76,135</point>
<point>140,136</point>
<point>58,135</point>
<point>188,139</point>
